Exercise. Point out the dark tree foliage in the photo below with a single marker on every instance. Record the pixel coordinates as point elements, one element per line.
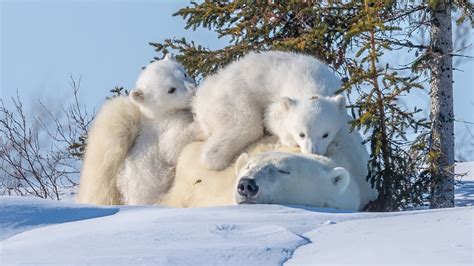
<point>310,27</point>
<point>118,91</point>
<point>353,38</point>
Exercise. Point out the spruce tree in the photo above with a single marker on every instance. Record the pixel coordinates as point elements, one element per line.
<point>442,111</point>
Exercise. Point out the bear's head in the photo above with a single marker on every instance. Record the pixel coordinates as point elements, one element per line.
<point>310,123</point>
<point>286,178</point>
<point>163,86</point>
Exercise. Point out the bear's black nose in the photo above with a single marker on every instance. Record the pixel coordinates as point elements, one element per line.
<point>247,187</point>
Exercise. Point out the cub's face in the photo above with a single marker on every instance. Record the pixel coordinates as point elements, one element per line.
<point>314,123</point>
<point>163,86</point>
<point>284,178</point>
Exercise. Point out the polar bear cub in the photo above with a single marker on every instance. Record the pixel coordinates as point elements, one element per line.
<point>287,178</point>
<point>322,127</point>
<point>310,123</point>
<point>134,142</point>
<point>229,105</point>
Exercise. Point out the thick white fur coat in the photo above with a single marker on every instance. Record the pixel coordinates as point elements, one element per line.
<point>197,186</point>
<point>109,141</point>
<point>149,169</point>
<point>135,141</point>
<point>229,105</point>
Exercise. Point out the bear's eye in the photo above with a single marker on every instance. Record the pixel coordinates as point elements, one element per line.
<point>302,135</point>
<point>185,75</point>
<point>325,135</point>
<point>171,90</point>
<point>283,172</point>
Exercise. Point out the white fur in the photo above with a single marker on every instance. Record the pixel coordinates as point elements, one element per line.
<point>229,105</point>
<point>196,186</point>
<point>299,179</point>
<point>148,170</point>
<point>310,123</point>
<point>151,92</point>
<point>109,140</point>
<point>134,143</point>
<point>288,118</point>
<point>348,151</point>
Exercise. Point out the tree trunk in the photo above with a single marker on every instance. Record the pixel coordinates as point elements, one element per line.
<point>442,114</point>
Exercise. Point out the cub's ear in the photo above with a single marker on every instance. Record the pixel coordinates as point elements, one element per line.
<point>286,103</point>
<point>243,158</point>
<point>340,101</point>
<point>279,109</point>
<point>137,95</point>
<point>169,56</point>
<point>340,178</point>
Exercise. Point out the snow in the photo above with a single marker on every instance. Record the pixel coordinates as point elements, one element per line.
<point>19,214</point>
<point>433,237</point>
<point>465,192</point>
<point>34,231</point>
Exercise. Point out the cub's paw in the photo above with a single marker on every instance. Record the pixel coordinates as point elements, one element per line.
<point>215,159</point>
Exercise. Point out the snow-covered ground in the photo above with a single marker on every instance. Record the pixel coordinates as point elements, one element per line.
<point>36,231</point>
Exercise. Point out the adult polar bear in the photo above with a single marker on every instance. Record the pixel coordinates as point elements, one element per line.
<point>135,141</point>
<point>297,179</point>
<point>230,105</point>
<point>197,186</point>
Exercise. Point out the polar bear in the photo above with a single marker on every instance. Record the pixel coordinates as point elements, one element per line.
<point>323,127</point>
<point>310,123</point>
<point>295,179</point>
<point>197,186</point>
<point>229,105</point>
<point>134,142</point>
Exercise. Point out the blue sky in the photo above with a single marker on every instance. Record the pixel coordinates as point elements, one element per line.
<point>105,42</point>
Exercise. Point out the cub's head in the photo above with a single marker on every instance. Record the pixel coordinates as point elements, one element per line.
<point>285,178</point>
<point>163,86</point>
<point>311,123</point>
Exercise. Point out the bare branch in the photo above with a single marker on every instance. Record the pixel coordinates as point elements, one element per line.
<point>41,155</point>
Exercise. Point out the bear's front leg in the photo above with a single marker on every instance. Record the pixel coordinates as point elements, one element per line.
<point>195,133</point>
<point>222,147</point>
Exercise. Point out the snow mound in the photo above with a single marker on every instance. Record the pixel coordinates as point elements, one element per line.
<point>464,195</point>
<point>233,235</point>
<point>245,235</point>
<point>18,214</point>
<point>427,237</point>
<point>34,231</point>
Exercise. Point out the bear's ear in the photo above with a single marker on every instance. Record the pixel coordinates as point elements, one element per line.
<point>286,103</point>
<point>137,95</point>
<point>340,102</point>
<point>169,56</point>
<point>339,178</point>
<point>243,158</point>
